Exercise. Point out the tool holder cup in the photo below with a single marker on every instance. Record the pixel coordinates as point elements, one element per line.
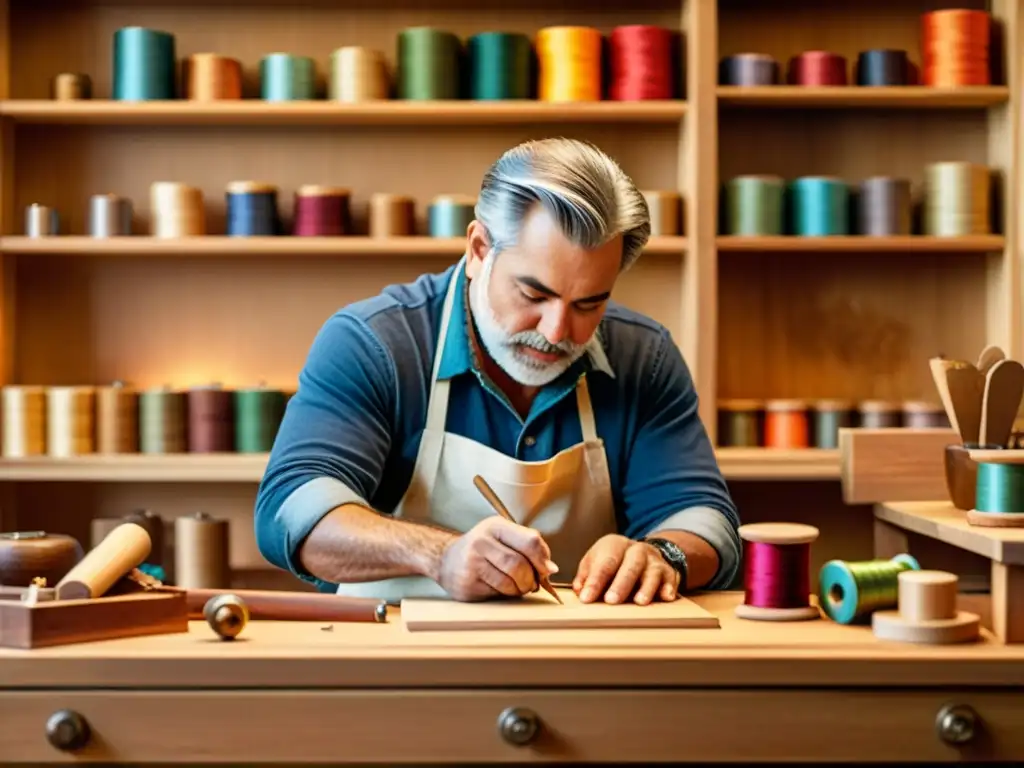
<point>987,483</point>
<point>962,473</point>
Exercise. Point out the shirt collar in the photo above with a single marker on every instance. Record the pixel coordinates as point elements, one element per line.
<point>457,357</point>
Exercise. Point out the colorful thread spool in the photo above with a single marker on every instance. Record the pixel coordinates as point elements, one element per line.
<point>999,496</point>
<point>500,66</point>
<point>884,207</point>
<point>358,74</point>
<point>957,200</point>
<point>879,414</point>
<point>776,572</point>
<point>569,64</point>
<point>748,70</point>
<point>145,65</point>
<point>755,206</point>
<point>429,64</point>
<point>70,425</point>
<point>818,68</point>
<point>829,416</point>
<point>71,86</point>
<point>285,77</point>
<point>640,63</point>
<point>924,415</point>
<point>740,423</point>
<point>163,421</point>
<point>117,419</point>
<point>882,67</point>
<point>110,216</point>
<point>392,215</point>
<point>251,209</point>
<point>449,215</point>
<point>258,414</point>
<point>24,421</point>
<point>176,210</point>
<point>665,211</point>
<point>955,48</point>
<point>322,211</point>
<point>211,77</point>
<point>850,592</point>
<point>211,419</point>
<point>785,424</point>
<point>820,206</point>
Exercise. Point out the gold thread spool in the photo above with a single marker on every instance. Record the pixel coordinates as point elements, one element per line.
<point>211,77</point>
<point>358,74</point>
<point>71,86</point>
<point>24,421</point>
<point>957,199</point>
<point>665,212</point>
<point>177,210</point>
<point>392,215</point>
<point>70,421</point>
<point>202,552</point>
<point>117,419</point>
<point>569,60</point>
<point>162,421</point>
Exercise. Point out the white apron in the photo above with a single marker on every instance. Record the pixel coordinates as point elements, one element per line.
<point>567,498</point>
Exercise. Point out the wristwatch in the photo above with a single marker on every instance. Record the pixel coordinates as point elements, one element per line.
<point>673,555</point>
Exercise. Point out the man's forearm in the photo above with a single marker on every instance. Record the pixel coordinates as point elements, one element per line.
<point>353,544</point>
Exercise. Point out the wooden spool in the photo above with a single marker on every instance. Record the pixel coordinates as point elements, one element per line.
<point>927,612</point>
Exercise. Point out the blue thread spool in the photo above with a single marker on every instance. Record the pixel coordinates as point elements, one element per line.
<point>284,77</point>
<point>820,206</point>
<point>850,592</point>
<point>145,68</point>
<point>449,216</point>
<point>252,209</point>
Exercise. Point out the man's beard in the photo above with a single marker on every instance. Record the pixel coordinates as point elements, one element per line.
<point>504,348</point>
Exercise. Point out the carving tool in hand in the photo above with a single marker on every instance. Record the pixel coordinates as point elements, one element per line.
<point>495,502</point>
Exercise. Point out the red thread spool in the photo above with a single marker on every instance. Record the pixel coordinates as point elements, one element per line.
<point>322,212</point>
<point>640,63</point>
<point>776,572</point>
<point>818,68</point>
<point>955,48</point>
<point>211,420</point>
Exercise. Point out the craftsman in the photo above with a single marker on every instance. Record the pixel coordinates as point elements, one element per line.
<point>516,366</point>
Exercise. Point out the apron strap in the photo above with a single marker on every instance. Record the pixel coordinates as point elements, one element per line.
<point>588,424</point>
<point>437,404</point>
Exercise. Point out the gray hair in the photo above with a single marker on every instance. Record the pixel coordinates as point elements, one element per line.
<point>585,191</point>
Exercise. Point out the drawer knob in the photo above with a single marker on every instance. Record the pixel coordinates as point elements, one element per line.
<point>956,724</point>
<point>518,726</point>
<point>67,730</point>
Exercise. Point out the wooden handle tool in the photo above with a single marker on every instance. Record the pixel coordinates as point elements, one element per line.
<point>492,498</point>
<point>124,548</point>
<point>1004,387</point>
<point>272,605</point>
<point>966,388</point>
<point>939,366</point>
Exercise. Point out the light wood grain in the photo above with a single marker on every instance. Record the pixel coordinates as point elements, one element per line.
<point>861,244</point>
<point>895,97</point>
<point>942,521</point>
<point>898,464</point>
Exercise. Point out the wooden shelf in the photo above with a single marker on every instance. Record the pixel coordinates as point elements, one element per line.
<point>943,522</point>
<point>853,244</point>
<point>276,246</point>
<point>905,97</point>
<point>414,113</point>
<point>776,464</point>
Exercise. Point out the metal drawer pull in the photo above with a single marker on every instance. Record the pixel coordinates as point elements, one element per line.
<point>518,726</point>
<point>67,730</point>
<point>955,723</point>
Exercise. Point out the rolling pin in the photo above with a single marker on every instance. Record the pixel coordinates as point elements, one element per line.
<point>271,605</point>
<point>124,548</point>
<point>28,555</point>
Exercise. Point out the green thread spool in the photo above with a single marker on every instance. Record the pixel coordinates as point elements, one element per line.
<point>145,67</point>
<point>284,77</point>
<point>1000,488</point>
<point>829,417</point>
<point>163,421</point>
<point>850,592</point>
<point>741,423</point>
<point>500,66</point>
<point>429,63</point>
<point>258,414</point>
<point>449,216</point>
<point>754,205</point>
<point>820,206</point>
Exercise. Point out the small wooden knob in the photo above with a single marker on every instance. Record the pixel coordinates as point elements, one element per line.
<point>927,595</point>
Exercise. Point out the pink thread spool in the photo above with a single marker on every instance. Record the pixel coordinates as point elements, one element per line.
<point>322,212</point>
<point>776,572</point>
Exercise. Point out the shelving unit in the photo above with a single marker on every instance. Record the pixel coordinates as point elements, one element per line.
<point>762,318</point>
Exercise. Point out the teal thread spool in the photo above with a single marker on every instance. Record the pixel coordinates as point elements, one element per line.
<point>145,67</point>
<point>284,77</point>
<point>754,206</point>
<point>258,414</point>
<point>449,216</point>
<point>851,592</point>
<point>499,66</point>
<point>820,206</point>
<point>1000,489</point>
<point>429,64</point>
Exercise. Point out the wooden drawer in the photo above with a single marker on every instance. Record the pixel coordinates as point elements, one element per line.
<point>454,726</point>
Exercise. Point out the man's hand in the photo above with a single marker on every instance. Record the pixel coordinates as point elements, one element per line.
<point>495,557</point>
<point>615,566</point>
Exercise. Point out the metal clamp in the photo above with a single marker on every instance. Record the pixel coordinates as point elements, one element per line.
<point>956,724</point>
<point>67,730</point>
<point>518,726</point>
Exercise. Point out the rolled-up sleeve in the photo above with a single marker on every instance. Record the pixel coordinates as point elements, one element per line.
<point>333,441</point>
<point>673,481</point>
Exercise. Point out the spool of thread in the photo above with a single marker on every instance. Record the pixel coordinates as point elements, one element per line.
<point>957,200</point>
<point>849,593</point>
<point>665,210</point>
<point>71,86</point>
<point>569,64</point>
<point>24,422</point>
<point>818,68</point>
<point>879,414</point>
<point>29,555</point>
<point>202,552</point>
<point>392,215</point>
<point>776,574</point>
<point>154,525</point>
<point>755,205</point>
<point>358,74</point>
<point>640,63</point>
<point>144,65</point>
<point>927,611</point>
<point>829,417</point>
<point>117,419</point>
<point>177,210</point>
<point>429,64</point>
<point>227,615</point>
<point>924,415</point>
<point>251,209</point>
<point>955,48</point>
<point>785,424</point>
<point>450,215</point>
<point>883,67</point>
<point>1000,488</point>
<point>820,206</point>
<point>124,548</point>
<point>500,66</point>
<point>110,216</point>
<point>749,70</point>
<point>211,420</point>
<point>41,221</point>
<point>258,414</point>
<point>885,207</point>
<point>212,77</point>
<point>284,77</point>
<point>163,421</point>
<point>322,211</point>
<point>741,423</point>
<point>70,427</point>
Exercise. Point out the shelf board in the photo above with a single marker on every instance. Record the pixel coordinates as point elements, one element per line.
<point>778,464</point>
<point>860,244</point>
<point>416,113</point>
<point>220,245</point>
<point>898,97</point>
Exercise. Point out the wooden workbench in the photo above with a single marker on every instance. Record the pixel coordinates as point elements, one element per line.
<point>305,693</point>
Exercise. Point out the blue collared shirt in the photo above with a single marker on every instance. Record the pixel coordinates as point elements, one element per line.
<point>352,430</point>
